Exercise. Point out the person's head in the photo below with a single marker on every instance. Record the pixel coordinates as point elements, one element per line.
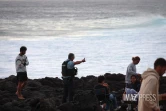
<point>160,66</point>
<point>136,60</point>
<point>133,78</point>
<point>23,50</point>
<point>101,79</point>
<point>71,56</point>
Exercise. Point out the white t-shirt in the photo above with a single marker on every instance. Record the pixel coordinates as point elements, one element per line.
<point>21,62</point>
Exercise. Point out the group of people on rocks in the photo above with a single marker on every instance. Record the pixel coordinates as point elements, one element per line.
<point>146,84</point>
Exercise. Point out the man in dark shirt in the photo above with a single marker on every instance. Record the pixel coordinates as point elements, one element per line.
<point>107,97</point>
<point>68,79</point>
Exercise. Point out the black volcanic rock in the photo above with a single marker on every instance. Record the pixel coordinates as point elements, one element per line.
<point>53,82</point>
<point>114,77</point>
<point>49,104</point>
<point>89,82</point>
<point>46,94</point>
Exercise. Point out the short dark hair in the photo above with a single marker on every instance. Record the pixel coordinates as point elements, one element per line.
<point>160,62</point>
<point>70,55</point>
<point>100,79</point>
<point>23,48</point>
<point>136,58</point>
<point>134,76</point>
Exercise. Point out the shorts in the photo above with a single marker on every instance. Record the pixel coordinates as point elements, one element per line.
<point>22,76</point>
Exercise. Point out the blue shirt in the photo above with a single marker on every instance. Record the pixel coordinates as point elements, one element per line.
<point>70,64</point>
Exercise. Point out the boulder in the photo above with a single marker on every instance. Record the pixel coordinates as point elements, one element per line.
<point>49,104</point>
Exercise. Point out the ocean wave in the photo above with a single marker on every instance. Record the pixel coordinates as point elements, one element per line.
<point>75,28</point>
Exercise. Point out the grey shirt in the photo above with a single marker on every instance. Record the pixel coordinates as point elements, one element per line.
<point>131,70</point>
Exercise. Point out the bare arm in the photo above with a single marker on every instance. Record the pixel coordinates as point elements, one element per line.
<point>79,62</point>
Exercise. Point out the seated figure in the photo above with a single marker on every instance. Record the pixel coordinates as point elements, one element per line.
<point>131,94</point>
<point>135,84</point>
<point>108,99</point>
<point>133,87</point>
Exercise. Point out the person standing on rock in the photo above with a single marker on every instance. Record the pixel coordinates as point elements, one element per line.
<point>21,62</point>
<point>68,73</point>
<point>148,94</point>
<point>131,70</point>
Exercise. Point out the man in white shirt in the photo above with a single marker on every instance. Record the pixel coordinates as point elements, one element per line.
<point>21,62</point>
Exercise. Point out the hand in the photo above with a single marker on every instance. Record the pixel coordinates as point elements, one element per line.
<point>83,60</point>
<point>106,85</point>
<point>157,109</point>
<point>163,96</point>
<point>24,64</point>
<point>104,106</point>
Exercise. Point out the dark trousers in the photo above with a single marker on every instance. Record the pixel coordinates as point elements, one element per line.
<point>68,89</point>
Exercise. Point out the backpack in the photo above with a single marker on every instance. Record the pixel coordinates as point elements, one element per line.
<point>66,71</point>
<point>64,68</point>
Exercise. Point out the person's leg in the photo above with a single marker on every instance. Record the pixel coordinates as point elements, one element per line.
<point>133,91</point>
<point>19,85</point>
<point>114,101</point>
<point>24,79</point>
<point>65,91</point>
<point>19,88</point>
<point>107,106</point>
<point>23,84</point>
<point>70,89</point>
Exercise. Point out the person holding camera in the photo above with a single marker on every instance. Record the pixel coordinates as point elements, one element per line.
<point>68,73</point>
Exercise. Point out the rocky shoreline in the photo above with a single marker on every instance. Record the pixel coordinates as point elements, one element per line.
<point>46,94</point>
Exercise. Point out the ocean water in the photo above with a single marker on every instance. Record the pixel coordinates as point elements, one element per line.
<point>108,33</point>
